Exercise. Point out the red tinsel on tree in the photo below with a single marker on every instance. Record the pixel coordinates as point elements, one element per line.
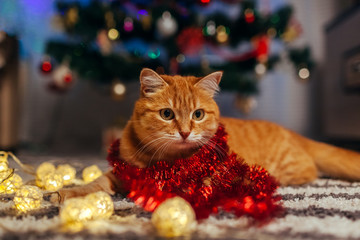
<point>208,181</point>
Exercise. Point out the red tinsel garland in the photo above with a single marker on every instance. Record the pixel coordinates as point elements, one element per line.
<point>208,181</point>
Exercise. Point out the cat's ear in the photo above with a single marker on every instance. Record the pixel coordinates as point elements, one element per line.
<point>210,83</point>
<point>151,82</point>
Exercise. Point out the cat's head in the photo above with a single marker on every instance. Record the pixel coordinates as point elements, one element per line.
<point>175,115</point>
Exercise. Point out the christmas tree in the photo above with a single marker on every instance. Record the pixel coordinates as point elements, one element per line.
<point>110,41</point>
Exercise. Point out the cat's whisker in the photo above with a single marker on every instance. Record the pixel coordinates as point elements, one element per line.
<point>219,150</point>
<point>161,151</point>
<point>210,141</point>
<point>209,147</point>
<point>158,149</point>
<point>145,138</point>
<point>146,146</point>
<point>171,136</point>
<point>165,147</point>
<point>202,144</point>
<point>161,148</point>
<point>140,150</point>
<point>153,144</point>
<point>212,146</point>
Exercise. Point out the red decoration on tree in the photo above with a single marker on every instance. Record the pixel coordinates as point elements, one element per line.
<point>190,40</point>
<point>46,67</point>
<point>62,79</point>
<point>68,78</point>
<point>204,2</point>
<point>209,181</point>
<point>262,48</point>
<point>249,15</point>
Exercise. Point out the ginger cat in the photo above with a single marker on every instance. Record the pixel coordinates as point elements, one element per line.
<point>177,115</point>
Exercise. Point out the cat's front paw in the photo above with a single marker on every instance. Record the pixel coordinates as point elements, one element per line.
<point>63,194</point>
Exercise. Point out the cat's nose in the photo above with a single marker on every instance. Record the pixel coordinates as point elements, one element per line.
<point>184,134</point>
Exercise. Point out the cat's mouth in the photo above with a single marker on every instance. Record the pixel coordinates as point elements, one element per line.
<point>180,149</point>
<point>186,145</point>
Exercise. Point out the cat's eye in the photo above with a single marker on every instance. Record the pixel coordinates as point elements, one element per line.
<point>167,114</point>
<point>198,114</point>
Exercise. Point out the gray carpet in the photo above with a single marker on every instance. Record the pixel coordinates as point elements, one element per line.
<point>324,209</point>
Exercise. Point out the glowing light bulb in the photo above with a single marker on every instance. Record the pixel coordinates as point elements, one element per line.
<point>174,217</point>
<point>113,34</point>
<point>91,173</point>
<point>222,34</point>
<point>72,16</point>
<point>67,172</point>
<point>104,206</point>
<point>5,174</point>
<point>11,184</point>
<point>210,28</point>
<point>154,54</point>
<point>304,73</point>
<point>75,212</point>
<point>4,166</point>
<point>128,24</point>
<point>260,69</point>
<point>246,103</point>
<point>119,89</point>
<point>166,25</point>
<point>53,181</point>
<point>44,169</point>
<point>180,58</point>
<point>28,198</point>
<point>141,13</point>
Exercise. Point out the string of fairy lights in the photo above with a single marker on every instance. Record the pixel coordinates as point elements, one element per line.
<point>174,217</point>
<point>47,176</point>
